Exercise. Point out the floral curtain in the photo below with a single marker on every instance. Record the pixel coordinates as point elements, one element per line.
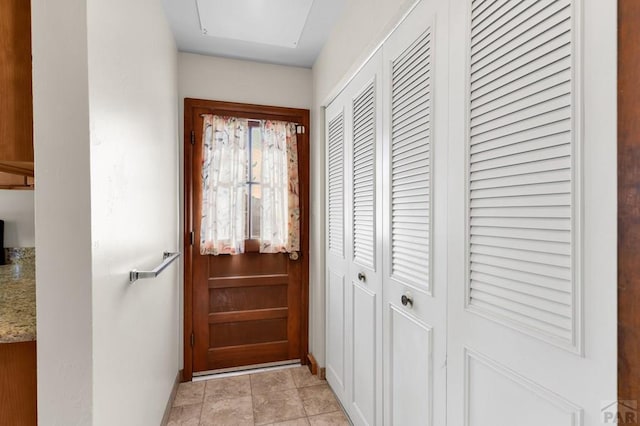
<point>280,217</point>
<point>224,189</point>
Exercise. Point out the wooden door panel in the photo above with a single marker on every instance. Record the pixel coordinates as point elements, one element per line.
<point>252,312</point>
<point>242,332</point>
<point>259,353</point>
<point>229,300</point>
<point>250,308</point>
<point>236,266</point>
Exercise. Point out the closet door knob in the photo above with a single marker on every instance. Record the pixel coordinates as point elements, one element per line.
<point>362,277</point>
<point>406,299</point>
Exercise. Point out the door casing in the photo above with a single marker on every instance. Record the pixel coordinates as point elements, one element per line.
<point>258,112</point>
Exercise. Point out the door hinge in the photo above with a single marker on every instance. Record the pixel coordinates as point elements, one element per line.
<point>193,339</point>
<point>300,129</point>
<point>191,238</point>
<point>193,137</point>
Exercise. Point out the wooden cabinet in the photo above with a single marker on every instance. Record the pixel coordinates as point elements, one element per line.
<point>13,181</point>
<point>16,101</point>
<point>18,384</point>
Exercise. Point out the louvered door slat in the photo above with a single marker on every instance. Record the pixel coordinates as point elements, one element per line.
<point>557,175</point>
<point>514,25</point>
<point>547,247</point>
<point>410,163</point>
<point>521,166</point>
<point>364,182</point>
<point>488,151</point>
<point>517,53</point>
<point>336,186</point>
<point>537,291</point>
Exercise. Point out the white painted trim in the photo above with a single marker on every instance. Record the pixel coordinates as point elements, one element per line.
<point>577,225</point>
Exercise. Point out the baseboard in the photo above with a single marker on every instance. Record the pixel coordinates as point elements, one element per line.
<point>316,370</point>
<point>313,364</point>
<point>174,390</point>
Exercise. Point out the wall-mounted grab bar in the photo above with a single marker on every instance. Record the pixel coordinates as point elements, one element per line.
<point>167,258</point>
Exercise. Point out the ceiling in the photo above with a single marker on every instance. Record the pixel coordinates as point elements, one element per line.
<point>286,32</point>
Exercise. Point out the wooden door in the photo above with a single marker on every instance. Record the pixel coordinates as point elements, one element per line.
<point>414,155</point>
<point>252,308</point>
<point>532,214</point>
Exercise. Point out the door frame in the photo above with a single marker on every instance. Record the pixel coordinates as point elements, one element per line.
<point>260,112</point>
<point>628,195</point>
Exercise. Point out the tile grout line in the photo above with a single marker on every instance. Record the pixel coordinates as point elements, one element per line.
<point>253,409</point>
<point>204,391</point>
<point>201,410</point>
<point>297,385</point>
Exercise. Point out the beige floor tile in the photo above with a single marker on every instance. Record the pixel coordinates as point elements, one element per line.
<point>337,418</point>
<point>189,393</point>
<point>277,406</point>
<point>185,415</point>
<point>272,381</point>
<point>297,422</point>
<point>236,411</point>
<point>228,387</point>
<point>318,400</point>
<point>303,377</point>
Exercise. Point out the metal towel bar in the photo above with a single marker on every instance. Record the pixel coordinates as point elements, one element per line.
<point>167,258</point>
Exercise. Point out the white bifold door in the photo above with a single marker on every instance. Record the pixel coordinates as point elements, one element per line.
<point>532,213</point>
<point>415,219</point>
<point>354,255</point>
<point>386,222</point>
<point>471,219</point>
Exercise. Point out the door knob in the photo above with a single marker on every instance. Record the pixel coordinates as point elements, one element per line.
<point>362,277</point>
<point>406,299</point>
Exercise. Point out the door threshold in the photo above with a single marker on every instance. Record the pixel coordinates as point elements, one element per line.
<point>246,369</point>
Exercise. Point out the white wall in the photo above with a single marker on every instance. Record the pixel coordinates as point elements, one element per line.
<point>231,80</point>
<point>62,211</point>
<point>222,79</point>
<point>105,129</point>
<point>363,25</point>
<point>134,185</point>
<point>16,209</point>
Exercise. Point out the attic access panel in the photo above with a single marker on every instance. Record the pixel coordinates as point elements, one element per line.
<point>273,22</point>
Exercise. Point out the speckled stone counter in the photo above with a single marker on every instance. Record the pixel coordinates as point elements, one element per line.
<point>18,297</point>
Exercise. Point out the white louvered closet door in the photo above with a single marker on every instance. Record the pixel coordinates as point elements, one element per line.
<point>532,195</point>
<point>364,95</point>
<point>354,254</point>
<point>414,183</point>
<point>337,273</point>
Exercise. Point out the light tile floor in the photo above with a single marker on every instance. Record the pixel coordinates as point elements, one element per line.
<point>291,397</point>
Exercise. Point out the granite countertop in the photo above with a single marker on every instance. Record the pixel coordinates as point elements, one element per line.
<point>18,299</point>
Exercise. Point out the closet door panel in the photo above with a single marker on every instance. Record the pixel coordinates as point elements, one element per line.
<point>531,312</point>
<point>411,390</point>
<point>336,332</point>
<point>365,357</point>
<point>415,189</point>
<point>364,94</point>
<point>354,254</point>
<point>338,308</point>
